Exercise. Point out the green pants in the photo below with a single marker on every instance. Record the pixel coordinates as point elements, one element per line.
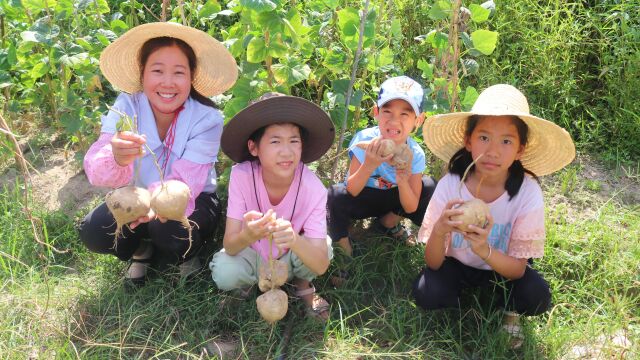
<point>241,270</point>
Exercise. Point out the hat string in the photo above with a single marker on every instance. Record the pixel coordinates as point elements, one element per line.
<point>168,141</point>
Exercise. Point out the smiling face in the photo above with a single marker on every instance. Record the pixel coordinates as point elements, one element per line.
<point>496,137</point>
<point>166,80</point>
<point>279,150</point>
<point>396,120</point>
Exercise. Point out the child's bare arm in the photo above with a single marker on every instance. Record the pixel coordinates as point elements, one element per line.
<point>435,248</point>
<point>237,237</point>
<point>312,252</point>
<point>409,189</point>
<point>505,265</point>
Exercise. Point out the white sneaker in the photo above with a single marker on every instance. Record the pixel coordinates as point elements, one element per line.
<point>190,267</point>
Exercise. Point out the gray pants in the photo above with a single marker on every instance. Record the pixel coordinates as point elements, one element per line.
<point>241,271</point>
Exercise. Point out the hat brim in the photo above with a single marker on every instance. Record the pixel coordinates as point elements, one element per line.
<point>400,97</point>
<point>549,147</point>
<point>216,70</point>
<point>281,109</point>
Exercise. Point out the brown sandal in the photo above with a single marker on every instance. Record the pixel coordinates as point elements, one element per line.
<point>319,309</point>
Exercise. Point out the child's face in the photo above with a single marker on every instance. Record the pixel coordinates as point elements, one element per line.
<point>166,80</point>
<point>279,149</point>
<point>497,138</point>
<point>396,120</point>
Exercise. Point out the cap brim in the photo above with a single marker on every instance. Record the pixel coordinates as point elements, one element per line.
<point>549,147</point>
<point>216,69</point>
<point>400,97</point>
<point>280,109</point>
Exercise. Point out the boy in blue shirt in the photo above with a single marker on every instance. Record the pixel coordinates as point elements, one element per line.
<point>374,188</point>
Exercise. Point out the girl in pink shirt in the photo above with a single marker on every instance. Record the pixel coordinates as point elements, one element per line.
<point>167,72</point>
<point>510,147</point>
<point>271,140</point>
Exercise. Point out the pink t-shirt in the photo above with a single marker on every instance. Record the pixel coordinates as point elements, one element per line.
<point>518,228</point>
<point>309,197</point>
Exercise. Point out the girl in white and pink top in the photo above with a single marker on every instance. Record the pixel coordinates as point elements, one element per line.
<point>505,148</point>
<point>271,139</point>
<point>166,90</point>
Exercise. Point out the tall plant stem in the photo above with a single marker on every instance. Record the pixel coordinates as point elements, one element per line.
<point>453,63</point>
<point>165,6</point>
<point>354,70</point>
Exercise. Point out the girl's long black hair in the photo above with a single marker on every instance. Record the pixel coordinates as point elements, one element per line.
<point>154,44</point>
<point>462,158</point>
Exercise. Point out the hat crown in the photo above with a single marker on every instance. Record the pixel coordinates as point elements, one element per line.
<point>501,99</point>
<point>401,87</point>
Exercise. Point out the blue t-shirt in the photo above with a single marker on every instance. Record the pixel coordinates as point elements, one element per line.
<point>384,176</point>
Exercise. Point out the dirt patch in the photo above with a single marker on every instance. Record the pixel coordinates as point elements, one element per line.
<point>59,182</point>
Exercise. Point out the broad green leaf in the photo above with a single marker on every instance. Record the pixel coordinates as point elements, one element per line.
<point>340,86</point>
<point>74,60</point>
<point>356,98</point>
<point>12,57</point>
<point>348,21</point>
<point>291,31</point>
<point>478,13</point>
<point>256,51</point>
<point>427,69</point>
<point>438,39</point>
<point>291,73</point>
<point>470,96</point>
<point>295,21</point>
<point>259,5</point>
<point>382,58</point>
<point>5,80</point>
<point>71,121</point>
<point>211,7</point>
<point>335,61</point>
<point>484,41</point>
<point>440,10</point>
<point>118,26</point>
<point>270,21</point>
<point>233,106</point>
<point>332,4</point>
<point>277,48</point>
<point>39,70</point>
<point>396,30</point>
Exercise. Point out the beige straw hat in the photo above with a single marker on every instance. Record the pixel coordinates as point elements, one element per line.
<point>216,69</point>
<point>549,147</point>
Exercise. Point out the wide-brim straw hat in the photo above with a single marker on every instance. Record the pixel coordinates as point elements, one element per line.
<point>549,147</point>
<point>216,70</point>
<point>275,108</point>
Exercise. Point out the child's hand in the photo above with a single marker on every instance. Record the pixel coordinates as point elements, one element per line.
<point>257,225</point>
<point>126,147</point>
<point>143,219</point>
<point>445,225</point>
<point>403,174</point>
<point>373,155</point>
<point>478,236</point>
<point>284,237</point>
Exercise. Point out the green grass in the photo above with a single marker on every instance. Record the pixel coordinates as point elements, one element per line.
<point>74,305</point>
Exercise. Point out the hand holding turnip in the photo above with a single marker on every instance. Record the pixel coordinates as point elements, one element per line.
<point>127,146</point>
<point>474,212</point>
<point>477,237</point>
<point>381,150</point>
<point>127,204</point>
<point>256,224</point>
<point>284,236</point>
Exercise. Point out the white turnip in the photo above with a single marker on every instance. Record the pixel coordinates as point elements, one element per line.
<point>401,153</point>
<point>170,201</point>
<point>127,204</point>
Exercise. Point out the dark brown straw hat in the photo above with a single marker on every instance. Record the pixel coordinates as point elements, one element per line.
<point>273,108</point>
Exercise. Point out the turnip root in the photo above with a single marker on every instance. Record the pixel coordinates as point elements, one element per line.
<point>127,204</point>
<point>475,213</point>
<point>401,153</point>
<point>273,305</point>
<point>268,280</point>
<point>170,201</point>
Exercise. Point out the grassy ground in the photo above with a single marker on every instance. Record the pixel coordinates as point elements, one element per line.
<point>73,305</point>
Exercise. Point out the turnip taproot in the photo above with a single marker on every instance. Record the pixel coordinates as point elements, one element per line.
<point>401,153</point>
<point>127,204</point>
<point>170,201</point>
<point>268,279</point>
